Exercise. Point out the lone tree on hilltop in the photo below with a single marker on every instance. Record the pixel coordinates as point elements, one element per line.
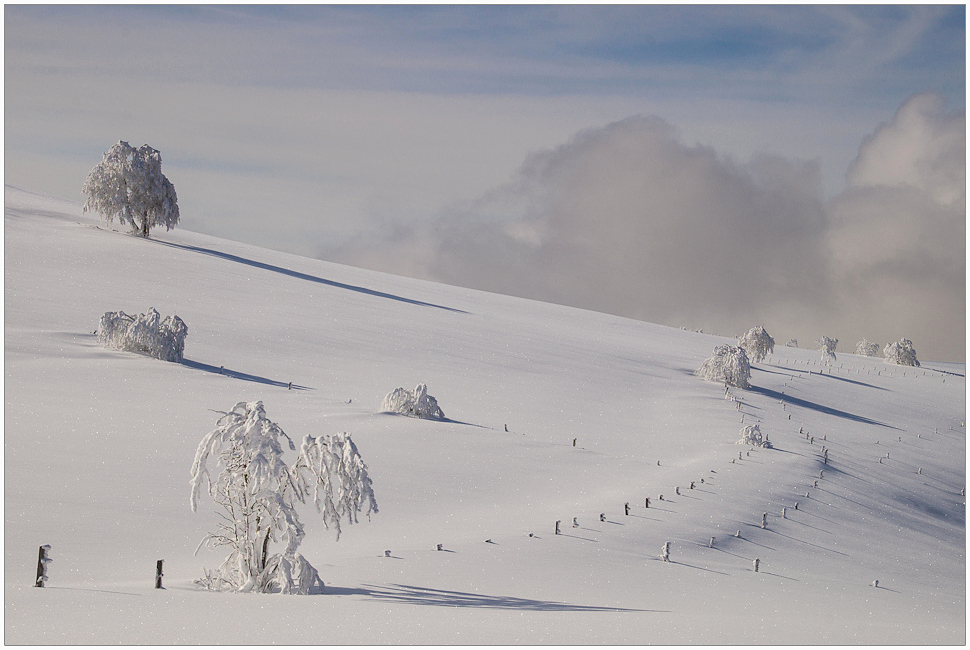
<point>129,184</point>
<point>902,353</point>
<point>728,365</point>
<point>757,343</point>
<point>258,493</point>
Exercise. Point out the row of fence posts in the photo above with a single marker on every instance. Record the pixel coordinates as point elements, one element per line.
<point>44,559</point>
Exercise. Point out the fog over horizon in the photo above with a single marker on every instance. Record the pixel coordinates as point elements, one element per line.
<point>629,220</point>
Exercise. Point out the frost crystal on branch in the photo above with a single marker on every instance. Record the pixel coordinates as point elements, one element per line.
<point>414,403</point>
<point>827,347</point>
<point>901,353</point>
<point>128,184</point>
<point>258,492</point>
<point>757,343</point>
<point>867,348</point>
<point>144,333</point>
<point>728,365</point>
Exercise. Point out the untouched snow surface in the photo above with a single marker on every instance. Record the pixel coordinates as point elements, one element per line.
<point>98,447</point>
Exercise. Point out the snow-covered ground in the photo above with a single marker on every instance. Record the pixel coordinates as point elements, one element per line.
<point>601,411</point>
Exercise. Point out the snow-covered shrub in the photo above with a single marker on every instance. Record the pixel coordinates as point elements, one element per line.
<point>792,343</point>
<point>129,184</point>
<point>757,343</point>
<point>414,403</point>
<point>144,333</point>
<point>728,365</point>
<point>827,347</point>
<point>901,353</point>
<point>258,493</point>
<point>751,435</point>
<point>867,348</point>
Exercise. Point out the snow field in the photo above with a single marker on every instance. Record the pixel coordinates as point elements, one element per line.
<point>99,443</point>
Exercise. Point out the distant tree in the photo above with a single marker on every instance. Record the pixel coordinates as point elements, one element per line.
<point>757,343</point>
<point>413,403</point>
<point>258,493</point>
<point>728,365</point>
<point>144,333</point>
<point>792,343</point>
<point>827,347</point>
<point>128,184</point>
<point>867,348</point>
<point>901,353</point>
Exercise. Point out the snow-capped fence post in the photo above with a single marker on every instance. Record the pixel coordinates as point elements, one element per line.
<point>764,520</point>
<point>647,505</point>
<point>626,508</point>
<point>558,521</point>
<point>665,553</point>
<point>158,574</point>
<point>711,544</point>
<point>43,559</point>
<point>757,564</point>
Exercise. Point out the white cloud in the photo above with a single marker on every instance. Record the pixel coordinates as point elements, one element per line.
<point>630,220</point>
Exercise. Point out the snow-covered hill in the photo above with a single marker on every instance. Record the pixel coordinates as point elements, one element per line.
<point>600,411</point>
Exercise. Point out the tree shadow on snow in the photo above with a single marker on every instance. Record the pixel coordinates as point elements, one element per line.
<point>795,401</point>
<point>304,276</point>
<point>234,374</point>
<point>411,595</point>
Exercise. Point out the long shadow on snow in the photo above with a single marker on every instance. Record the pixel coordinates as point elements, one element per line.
<point>198,365</point>
<point>828,410</point>
<point>304,276</point>
<point>851,381</point>
<point>411,595</point>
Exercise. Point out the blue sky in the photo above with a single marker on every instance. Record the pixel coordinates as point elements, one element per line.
<point>312,128</point>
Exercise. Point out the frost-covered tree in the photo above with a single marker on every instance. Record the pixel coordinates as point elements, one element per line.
<point>728,365</point>
<point>144,333</point>
<point>128,184</point>
<point>827,347</point>
<point>901,353</point>
<point>757,343</point>
<point>751,435</point>
<point>258,494</point>
<point>414,403</point>
<point>867,348</point>
<point>792,343</point>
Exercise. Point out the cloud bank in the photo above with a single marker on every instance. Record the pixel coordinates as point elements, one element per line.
<point>628,219</point>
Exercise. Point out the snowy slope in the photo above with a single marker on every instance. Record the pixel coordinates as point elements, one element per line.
<point>98,446</point>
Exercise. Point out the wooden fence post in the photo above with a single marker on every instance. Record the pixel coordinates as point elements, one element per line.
<point>42,561</point>
<point>158,574</point>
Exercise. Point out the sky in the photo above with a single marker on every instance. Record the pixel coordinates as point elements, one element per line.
<point>708,167</point>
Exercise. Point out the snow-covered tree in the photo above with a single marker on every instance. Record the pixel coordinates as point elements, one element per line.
<point>757,343</point>
<point>414,403</point>
<point>792,343</point>
<point>728,365</point>
<point>144,333</point>
<point>867,348</point>
<point>827,347</point>
<point>258,494</point>
<point>128,184</point>
<point>901,353</point>
<point>751,435</point>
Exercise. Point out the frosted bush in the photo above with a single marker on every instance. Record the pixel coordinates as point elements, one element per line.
<point>901,353</point>
<point>867,348</point>
<point>827,347</point>
<point>757,343</point>
<point>728,365</point>
<point>258,493</point>
<point>144,333</point>
<point>414,403</point>
<point>792,343</point>
<point>751,435</point>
